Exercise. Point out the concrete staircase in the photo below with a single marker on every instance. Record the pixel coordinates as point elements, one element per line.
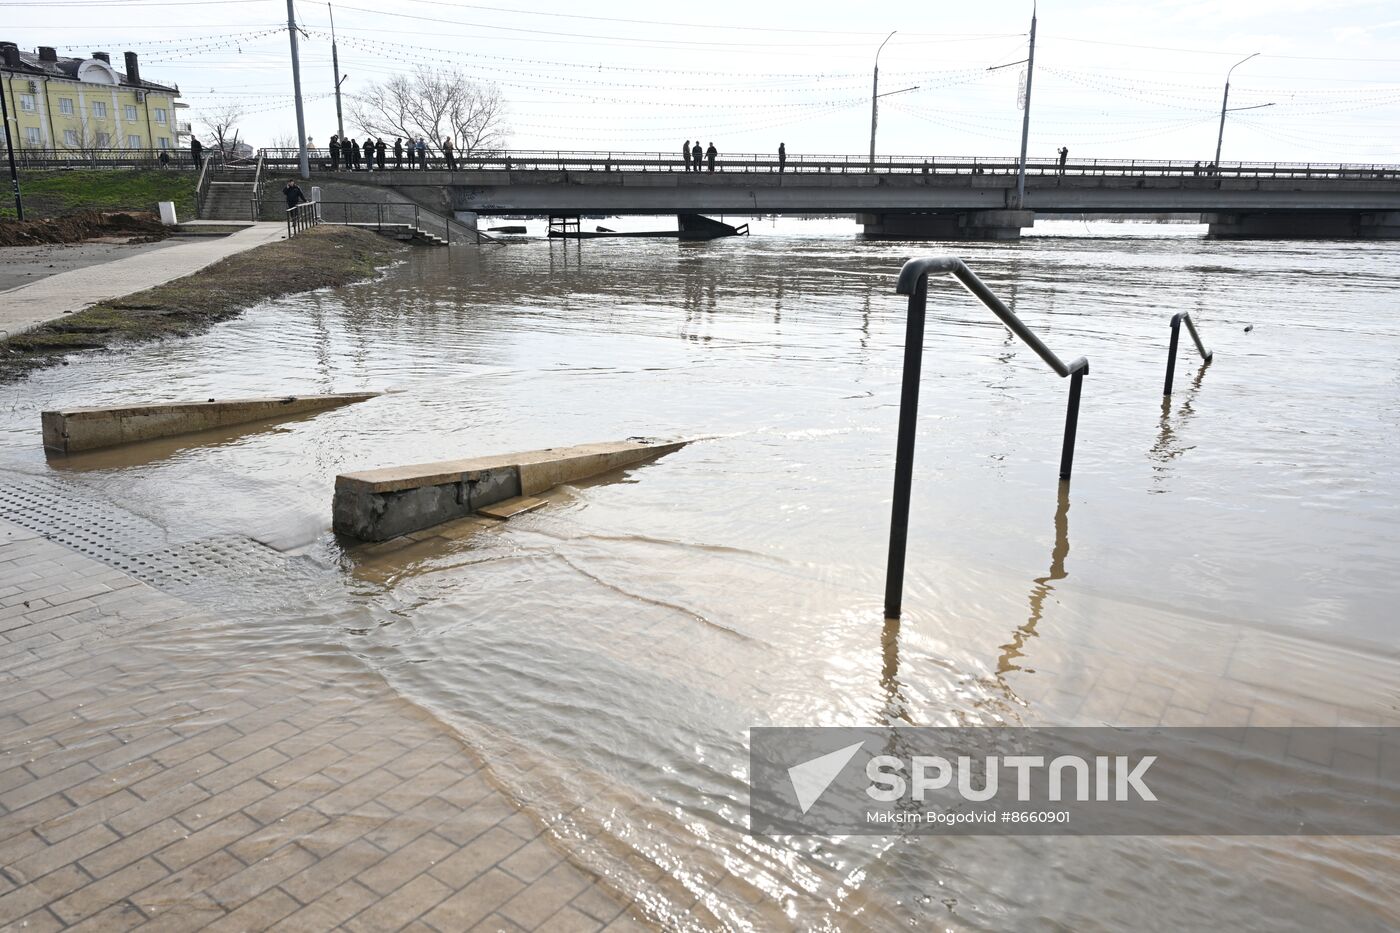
<point>228,200</point>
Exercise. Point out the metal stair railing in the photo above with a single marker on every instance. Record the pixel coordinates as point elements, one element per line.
<point>303,217</point>
<point>913,281</point>
<point>257,189</point>
<point>1206,355</point>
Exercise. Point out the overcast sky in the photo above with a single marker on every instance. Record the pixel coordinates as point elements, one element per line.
<point>1130,80</point>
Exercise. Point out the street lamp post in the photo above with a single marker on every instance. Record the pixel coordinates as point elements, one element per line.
<point>339,78</point>
<point>875,98</point>
<point>10,152</point>
<point>1219,139</point>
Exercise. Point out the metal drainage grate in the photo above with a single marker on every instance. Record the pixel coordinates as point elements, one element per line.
<point>129,542</point>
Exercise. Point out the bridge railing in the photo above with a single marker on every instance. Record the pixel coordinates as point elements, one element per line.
<point>541,160</point>
<point>913,281</point>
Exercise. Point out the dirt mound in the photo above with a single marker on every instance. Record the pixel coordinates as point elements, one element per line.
<point>84,225</point>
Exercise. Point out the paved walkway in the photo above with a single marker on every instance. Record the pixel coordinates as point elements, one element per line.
<point>31,305</point>
<point>157,772</point>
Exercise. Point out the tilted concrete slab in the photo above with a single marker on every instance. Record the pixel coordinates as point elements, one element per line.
<point>78,429</point>
<point>376,505</point>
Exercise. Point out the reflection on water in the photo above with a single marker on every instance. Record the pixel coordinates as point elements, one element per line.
<point>1012,650</point>
<point>609,652</point>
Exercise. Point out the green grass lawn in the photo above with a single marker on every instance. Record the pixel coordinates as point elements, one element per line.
<point>52,194</point>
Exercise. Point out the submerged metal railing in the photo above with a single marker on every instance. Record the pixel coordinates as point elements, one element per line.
<point>913,281</point>
<point>1206,355</point>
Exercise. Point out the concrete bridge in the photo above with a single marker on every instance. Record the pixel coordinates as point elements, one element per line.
<point>906,197</point>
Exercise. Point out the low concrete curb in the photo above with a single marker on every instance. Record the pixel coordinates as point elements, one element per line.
<point>78,429</point>
<point>376,505</point>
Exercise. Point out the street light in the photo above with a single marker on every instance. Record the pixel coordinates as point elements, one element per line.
<point>1221,137</point>
<point>875,98</point>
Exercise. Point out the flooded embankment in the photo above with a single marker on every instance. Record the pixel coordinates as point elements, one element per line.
<point>1226,557</point>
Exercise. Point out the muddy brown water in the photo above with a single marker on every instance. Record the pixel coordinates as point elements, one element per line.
<point>1229,557</point>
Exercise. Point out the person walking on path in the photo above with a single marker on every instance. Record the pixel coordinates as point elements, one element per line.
<point>697,155</point>
<point>196,152</point>
<point>293,194</point>
<point>782,157</point>
<point>1064,154</point>
<point>447,154</point>
<point>379,149</point>
<point>685,154</point>
<point>335,153</point>
<point>710,154</point>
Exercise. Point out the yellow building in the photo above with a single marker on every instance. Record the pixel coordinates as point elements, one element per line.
<point>84,104</point>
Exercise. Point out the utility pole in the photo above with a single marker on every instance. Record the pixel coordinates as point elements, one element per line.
<point>335,63</point>
<point>1026,119</point>
<point>10,150</point>
<point>875,98</point>
<point>1029,62</point>
<point>305,163</point>
<point>1221,137</point>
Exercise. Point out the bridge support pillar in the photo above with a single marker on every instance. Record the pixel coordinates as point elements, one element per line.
<point>466,219</point>
<point>962,225</point>
<point>1304,225</point>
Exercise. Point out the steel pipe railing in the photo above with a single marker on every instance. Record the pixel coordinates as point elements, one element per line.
<point>304,216</point>
<point>1206,355</point>
<point>913,281</point>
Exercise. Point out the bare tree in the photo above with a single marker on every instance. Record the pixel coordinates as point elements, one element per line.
<point>221,122</point>
<point>434,104</point>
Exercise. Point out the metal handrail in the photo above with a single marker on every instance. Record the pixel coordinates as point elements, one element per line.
<point>1206,355</point>
<point>303,216</point>
<point>913,281</point>
<point>201,187</point>
<point>257,189</point>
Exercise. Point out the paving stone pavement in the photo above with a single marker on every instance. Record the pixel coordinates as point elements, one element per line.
<point>155,773</point>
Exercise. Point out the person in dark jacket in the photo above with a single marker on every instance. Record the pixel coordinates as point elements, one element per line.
<point>710,154</point>
<point>335,153</point>
<point>697,155</point>
<point>379,148</point>
<point>356,154</point>
<point>398,152</point>
<point>782,157</point>
<point>196,152</point>
<point>293,194</point>
<point>685,154</point>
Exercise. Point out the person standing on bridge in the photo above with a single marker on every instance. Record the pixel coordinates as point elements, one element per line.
<point>447,154</point>
<point>379,149</point>
<point>782,157</point>
<point>1064,154</point>
<point>196,152</point>
<point>685,154</point>
<point>335,152</point>
<point>398,153</point>
<point>422,154</point>
<point>697,156</point>
<point>710,154</point>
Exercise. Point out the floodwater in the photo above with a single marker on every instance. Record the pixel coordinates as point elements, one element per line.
<point>1228,558</point>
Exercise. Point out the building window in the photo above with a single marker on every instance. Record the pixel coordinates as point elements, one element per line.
<point>160,114</point>
<point>70,138</point>
<point>26,103</point>
<point>133,142</point>
<point>65,105</point>
<point>104,140</point>
<point>130,112</point>
<point>164,142</point>
<point>32,134</point>
<point>99,109</point>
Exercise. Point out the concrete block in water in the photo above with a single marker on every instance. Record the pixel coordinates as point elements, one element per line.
<point>78,429</point>
<point>376,505</point>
